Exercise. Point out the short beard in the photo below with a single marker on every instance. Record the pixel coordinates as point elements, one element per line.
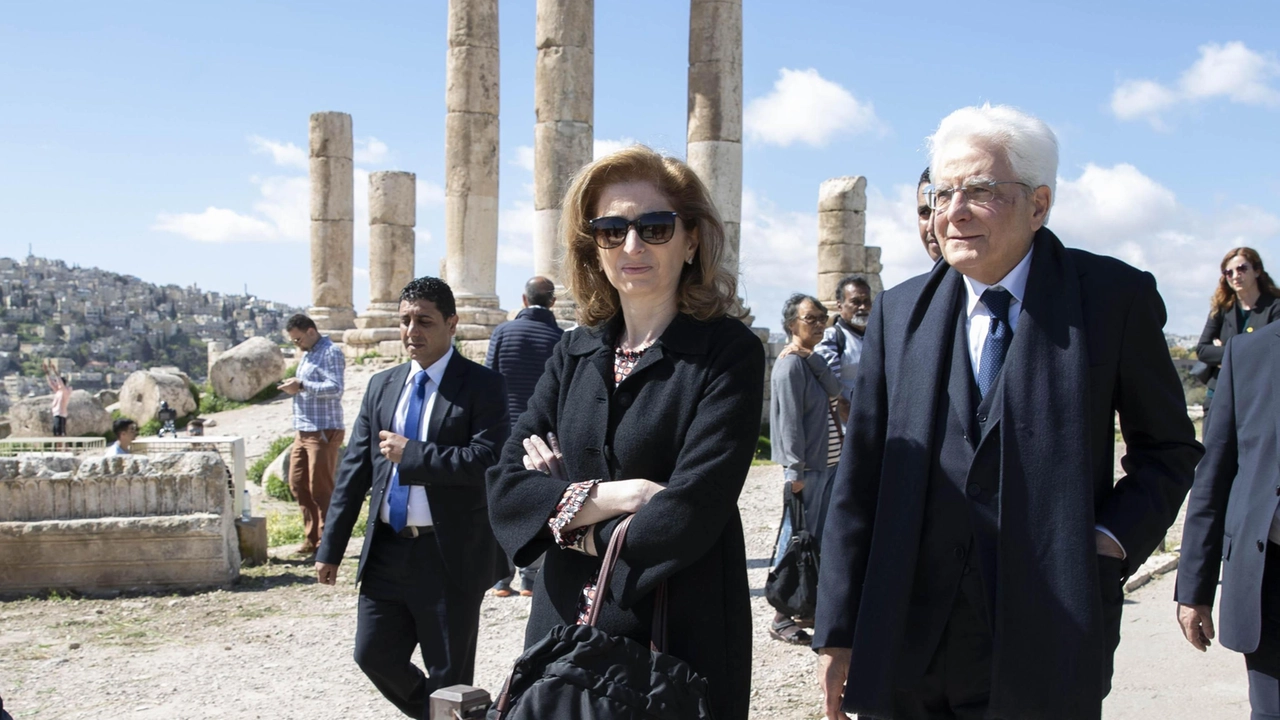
<point>859,321</point>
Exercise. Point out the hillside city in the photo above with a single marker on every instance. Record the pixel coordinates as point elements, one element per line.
<point>98,326</point>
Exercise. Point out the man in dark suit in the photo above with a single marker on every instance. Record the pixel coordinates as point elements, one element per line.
<point>976,543</point>
<point>1233,519</point>
<point>427,431</point>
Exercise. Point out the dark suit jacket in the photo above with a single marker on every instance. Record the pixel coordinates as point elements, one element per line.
<point>469,424</point>
<point>688,415</point>
<point>1226,325</point>
<point>1089,343</point>
<point>1236,491</point>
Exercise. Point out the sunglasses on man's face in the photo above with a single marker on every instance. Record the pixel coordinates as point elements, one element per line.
<point>654,228</point>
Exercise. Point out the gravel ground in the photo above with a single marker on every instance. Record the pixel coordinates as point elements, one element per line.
<point>278,646</point>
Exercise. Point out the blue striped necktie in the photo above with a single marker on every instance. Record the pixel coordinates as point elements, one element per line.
<point>398,495</point>
<point>999,338</point>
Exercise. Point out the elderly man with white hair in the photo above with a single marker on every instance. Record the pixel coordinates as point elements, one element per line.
<point>977,540</point>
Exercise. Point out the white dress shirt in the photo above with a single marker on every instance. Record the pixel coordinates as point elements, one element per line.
<point>979,324</point>
<point>419,509</point>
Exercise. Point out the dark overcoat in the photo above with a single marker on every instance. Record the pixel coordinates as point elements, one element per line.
<point>468,425</point>
<point>1236,491</point>
<point>519,349</point>
<point>1089,344</point>
<point>1225,324</point>
<point>688,415</point>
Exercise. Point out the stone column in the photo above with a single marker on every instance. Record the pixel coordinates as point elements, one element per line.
<point>332,212</point>
<point>715,110</point>
<point>392,215</point>
<point>471,167</point>
<point>563,101</point>
<point>842,231</point>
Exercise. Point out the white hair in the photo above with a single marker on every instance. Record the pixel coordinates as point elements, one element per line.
<point>1031,146</point>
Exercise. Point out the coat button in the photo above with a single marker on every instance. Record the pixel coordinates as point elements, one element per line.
<point>968,569</point>
<point>974,490</point>
<point>624,399</point>
<point>959,552</point>
<point>982,417</point>
<point>1261,546</point>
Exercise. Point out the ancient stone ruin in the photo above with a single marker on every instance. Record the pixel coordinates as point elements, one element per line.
<point>332,215</point>
<point>116,523</point>
<point>842,232</point>
<point>392,216</point>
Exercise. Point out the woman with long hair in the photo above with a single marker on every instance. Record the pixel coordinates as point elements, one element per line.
<point>1244,301</point>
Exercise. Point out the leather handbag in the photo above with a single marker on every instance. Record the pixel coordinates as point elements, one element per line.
<point>1201,372</point>
<point>792,586</point>
<point>578,672</point>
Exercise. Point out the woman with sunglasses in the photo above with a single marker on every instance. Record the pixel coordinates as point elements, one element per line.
<point>653,407</point>
<point>1244,301</point>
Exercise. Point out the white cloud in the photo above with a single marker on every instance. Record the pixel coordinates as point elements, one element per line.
<point>429,193</point>
<point>370,151</point>
<point>216,225</point>
<point>891,226</point>
<point>515,232</point>
<point>524,157</point>
<point>283,154</point>
<point>1121,212</point>
<point>1230,71</point>
<point>602,147</point>
<point>807,108</point>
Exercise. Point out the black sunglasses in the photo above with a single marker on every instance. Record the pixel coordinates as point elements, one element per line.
<point>654,228</point>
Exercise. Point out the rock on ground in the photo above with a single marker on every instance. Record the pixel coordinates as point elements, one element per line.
<point>144,390</point>
<point>33,417</point>
<point>247,369</point>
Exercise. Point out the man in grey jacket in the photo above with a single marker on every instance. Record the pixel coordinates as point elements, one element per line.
<point>802,387</point>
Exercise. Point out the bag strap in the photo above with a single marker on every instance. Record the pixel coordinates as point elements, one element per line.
<point>835,419</point>
<point>658,630</point>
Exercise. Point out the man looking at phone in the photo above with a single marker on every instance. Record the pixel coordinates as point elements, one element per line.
<point>317,418</point>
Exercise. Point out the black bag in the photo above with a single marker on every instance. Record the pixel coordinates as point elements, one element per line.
<point>581,673</point>
<point>1201,372</point>
<point>792,587</point>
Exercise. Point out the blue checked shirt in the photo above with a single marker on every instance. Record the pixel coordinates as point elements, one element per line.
<point>319,405</point>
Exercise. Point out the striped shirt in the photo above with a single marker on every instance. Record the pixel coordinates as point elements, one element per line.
<point>319,405</point>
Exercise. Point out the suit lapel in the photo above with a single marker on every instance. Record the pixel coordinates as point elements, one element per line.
<point>391,388</point>
<point>961,382</point>
<point>446,394</point>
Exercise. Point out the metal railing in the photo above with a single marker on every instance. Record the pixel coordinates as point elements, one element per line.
<point>10,447</point>
<point>231,448</point>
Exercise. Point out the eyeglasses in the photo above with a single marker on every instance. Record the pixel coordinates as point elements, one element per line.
<point>1240,269</point>
<point>814,319</point>
<point>978,192</point>
<point>654,228</point>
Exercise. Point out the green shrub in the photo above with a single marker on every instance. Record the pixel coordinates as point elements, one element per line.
<point>366,357</point>
<point>259,466</point>
<point>764,449</point>
<point>278,488</point>
<point>285,527</point>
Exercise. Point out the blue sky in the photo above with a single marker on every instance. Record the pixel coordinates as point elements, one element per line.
<point>163,139</point>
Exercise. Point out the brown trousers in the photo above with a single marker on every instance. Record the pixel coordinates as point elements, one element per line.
<point>312,466</point>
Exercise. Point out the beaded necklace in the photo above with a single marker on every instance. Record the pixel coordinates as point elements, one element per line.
<point>624,361</point>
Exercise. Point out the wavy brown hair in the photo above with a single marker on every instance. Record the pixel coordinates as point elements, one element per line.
<point>706,289</point>
<point>1224,297</point>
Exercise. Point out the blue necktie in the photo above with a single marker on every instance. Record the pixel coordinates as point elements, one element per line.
<point>398,495</point>
<point>999,337</point>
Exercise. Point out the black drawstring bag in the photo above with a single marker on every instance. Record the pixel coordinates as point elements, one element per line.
<point>578,672</point>
<point>792,587</point>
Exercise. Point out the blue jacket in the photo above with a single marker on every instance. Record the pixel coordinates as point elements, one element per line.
<point>519,350</point>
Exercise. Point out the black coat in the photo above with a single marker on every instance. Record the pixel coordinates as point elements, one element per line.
<point>688,415</point>
<point>1225,325</point>
<point>1089,343</point>
<point>519,349</point>
<point>1236,492</point>
<point>469,424</point>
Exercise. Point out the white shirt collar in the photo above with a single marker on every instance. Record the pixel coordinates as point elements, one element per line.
<point>1015,282</point>
<point>435,371</point>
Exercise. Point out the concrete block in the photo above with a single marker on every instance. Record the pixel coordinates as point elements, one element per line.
<point>715,31</point>
<point>843,228</point>
<point>848,193</point>
<point>471,80</point>
<point>563,23</point>
<point>393,198</point>
<point>332,189</point>
<point>471,155</point>
<point>391,258</point>
<point>564,84</point>
<point>331,274</point>
<point>719,165</point>
<point>560,149</point>
<point>330,135</point>
<point>252,537</point>
<point>838,258</point>
<point>715,101</point>
<point>473,22</point>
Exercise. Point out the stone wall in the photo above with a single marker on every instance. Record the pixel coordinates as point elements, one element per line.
<point>115,523</point>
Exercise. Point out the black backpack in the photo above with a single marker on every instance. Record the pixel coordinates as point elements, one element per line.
<point>579,672</point>
<point>792,587</point>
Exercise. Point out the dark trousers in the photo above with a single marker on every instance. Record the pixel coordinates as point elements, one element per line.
<point>407,601</point>
<point>957,683</point>
<point>1264,663</point>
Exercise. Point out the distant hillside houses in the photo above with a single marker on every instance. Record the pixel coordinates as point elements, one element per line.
<point>99,326</point>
